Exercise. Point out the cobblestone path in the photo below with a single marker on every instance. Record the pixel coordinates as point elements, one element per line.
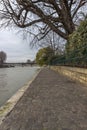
<point>52,102</point>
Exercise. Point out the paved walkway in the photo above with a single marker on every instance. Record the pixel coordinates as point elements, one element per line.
<point>52,102</point>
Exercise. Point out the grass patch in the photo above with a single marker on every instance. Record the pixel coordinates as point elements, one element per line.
<point>5,108</point>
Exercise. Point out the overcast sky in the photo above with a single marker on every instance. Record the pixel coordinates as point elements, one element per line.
<point>16,48</point>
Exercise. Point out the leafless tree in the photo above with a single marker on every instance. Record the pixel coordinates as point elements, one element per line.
<point>2,57</point>
<point>60,16</point>
<point>52,40</point>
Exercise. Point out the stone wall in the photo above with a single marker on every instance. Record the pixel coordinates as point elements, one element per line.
<point>75,73</point>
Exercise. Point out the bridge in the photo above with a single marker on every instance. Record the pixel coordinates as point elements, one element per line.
<point>20,64</point>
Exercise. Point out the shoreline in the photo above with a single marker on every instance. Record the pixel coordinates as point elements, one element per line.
<point>52,102</point>
<point>10,103</point>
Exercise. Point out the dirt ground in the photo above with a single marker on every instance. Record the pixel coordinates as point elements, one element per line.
<point>52,102</point>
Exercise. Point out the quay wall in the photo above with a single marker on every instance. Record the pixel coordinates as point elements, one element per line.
<point>79,74</point>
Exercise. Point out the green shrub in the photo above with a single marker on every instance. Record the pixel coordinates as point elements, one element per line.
<point>76,47</point>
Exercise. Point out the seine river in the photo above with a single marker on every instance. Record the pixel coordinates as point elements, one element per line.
<point>12,79</point>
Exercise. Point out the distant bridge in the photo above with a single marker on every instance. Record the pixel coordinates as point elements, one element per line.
<point>20,64</point>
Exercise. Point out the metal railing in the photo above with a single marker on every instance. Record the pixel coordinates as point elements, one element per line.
<point>76,57</point>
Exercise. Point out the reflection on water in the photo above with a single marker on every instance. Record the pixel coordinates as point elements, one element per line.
<point>11,79</point>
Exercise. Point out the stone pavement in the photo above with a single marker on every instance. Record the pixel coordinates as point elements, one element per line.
<point>52,102</point>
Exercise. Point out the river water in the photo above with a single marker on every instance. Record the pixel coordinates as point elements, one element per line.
<point>12,79</point>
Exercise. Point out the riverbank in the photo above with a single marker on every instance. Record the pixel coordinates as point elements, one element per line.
<point>52,102</point>
<point>9,105</point>
<point>4,66</point>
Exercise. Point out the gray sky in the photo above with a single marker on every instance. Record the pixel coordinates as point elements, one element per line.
<point>16,48</point>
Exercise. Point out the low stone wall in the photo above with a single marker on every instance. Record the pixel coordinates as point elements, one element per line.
<point>79,74</point>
